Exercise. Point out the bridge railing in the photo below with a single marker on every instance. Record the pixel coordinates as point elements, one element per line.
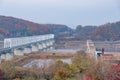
<point>12,42</point>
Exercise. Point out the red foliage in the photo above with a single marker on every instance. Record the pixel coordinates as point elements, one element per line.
<point>1,75</point>
<point>17,26</point>
<point>87,77</point>
<point>114,72</point>
<point>3,31</point>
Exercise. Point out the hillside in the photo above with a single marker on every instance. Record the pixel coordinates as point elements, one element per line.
<point>109,31</point>
<point>14,27</point>
<point>84,33</point>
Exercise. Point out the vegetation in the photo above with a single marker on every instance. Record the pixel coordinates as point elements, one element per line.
<point>83,66</point>
<point>14,27</point>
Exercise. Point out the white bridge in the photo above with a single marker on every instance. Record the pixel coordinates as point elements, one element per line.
<point>25,45</point>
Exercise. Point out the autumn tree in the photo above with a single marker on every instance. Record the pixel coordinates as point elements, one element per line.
<point>87,65</point>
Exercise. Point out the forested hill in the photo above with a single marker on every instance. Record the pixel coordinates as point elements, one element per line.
<point>14,27</point>
<point>106,32</point>
<point>109,31</point>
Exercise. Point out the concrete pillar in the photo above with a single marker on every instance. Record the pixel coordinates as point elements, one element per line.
<point>34,47</point>
<point>40,47</point>
<point>3,56</point>
<point>44,45</point>
<point>19,52</point>
<point>51,48</point>
<point>27,50</point>
<point>51,43</point>
<point>44,50</point>
<point>91,47</point>
<point>0,60</point>
<point>48,43</point>
<point>9,56</point>
<point>48,49</point>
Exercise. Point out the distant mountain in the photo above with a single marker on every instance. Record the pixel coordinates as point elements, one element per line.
<point>14,27</point>
<point>84,33</point>
<point>109,31</point>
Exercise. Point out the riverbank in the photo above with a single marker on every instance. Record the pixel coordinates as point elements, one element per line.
<point>19,61</point>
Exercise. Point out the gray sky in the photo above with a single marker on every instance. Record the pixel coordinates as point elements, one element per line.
<point>68,12</point>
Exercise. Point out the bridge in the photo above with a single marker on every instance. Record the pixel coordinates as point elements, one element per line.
<point>20,46</point>
<point>110,47</point>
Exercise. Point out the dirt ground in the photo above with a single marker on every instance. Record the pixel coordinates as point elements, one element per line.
<point>48,54</point>
<point>41,55</point>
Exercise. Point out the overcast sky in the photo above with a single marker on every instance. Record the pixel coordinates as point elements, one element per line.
<point>68,12</point>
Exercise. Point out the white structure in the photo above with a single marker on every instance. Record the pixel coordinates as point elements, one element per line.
<point>13,42</point>
<point>24,45</point>
<point>91,47</point>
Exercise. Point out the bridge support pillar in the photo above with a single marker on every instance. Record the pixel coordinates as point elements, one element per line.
<point>48,43</point>
<point>9,56</point>
<point>19,52</point>
<point>27,50</point>
<point>34,48</point>
<point>44,45</point>
<point>47,46</point>
<point>40,47</point>
<point>51,48</point>
<point>3,56</point>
